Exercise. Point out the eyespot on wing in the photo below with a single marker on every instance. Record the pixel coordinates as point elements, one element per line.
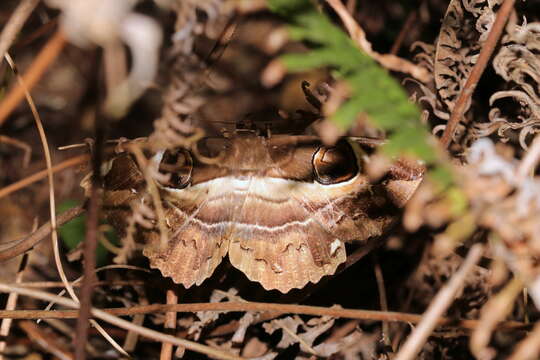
<point>336,164</point>
<point>178,165</point>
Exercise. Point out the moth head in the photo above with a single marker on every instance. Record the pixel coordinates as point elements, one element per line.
<point>177,166</point>
<point>335,164</point>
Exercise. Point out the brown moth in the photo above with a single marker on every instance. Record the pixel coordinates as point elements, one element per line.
<point>281,207</point>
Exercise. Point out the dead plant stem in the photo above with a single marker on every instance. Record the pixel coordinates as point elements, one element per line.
<point>48,161</point>
<point>259,307</point>
<point>485,54</point>
<point>45,58</point>
<point>382,298</point>
<point>21,184</point>
<point>389,61</point>
<point>100,314</point>
<point>91,240</point>
<point>170,324</point>
<point>528,348</point>
<point>90,246</point>
<point>438,306</point>
<point>10,305</point>
<point>530,161</point>
<point>35,237</point>
<point>15,24</point>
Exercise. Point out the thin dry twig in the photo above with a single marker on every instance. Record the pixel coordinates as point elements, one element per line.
<point>154,193</point>
<point>170,324</point>
<point>43,30</point>
<point>89,246</point>
<point>46,341</point>
<point>485,54</point>
<point>258,307</point>
<point>50,177</point>
<point>48,162</point>
<point>132,338</point>
<point>21,246</point>
<point>21,184</point>
<point>411,19</point>
<point>78,281</point>
<point>15,24</point>
<point>382,298</point>
<point>21,145</point>
<point>100,314</point>
<point>438,306</point>
<point>530,161</point>
<point>528,348</point>
<point>58,284</point>
<point>10,305</point>
<point>45,58</point>
<point>496,309</point>
<point>52,207</point>
<point>389,61</point>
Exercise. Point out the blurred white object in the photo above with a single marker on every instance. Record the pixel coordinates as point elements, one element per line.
<point>104,22</point>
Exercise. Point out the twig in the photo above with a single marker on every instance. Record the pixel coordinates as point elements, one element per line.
<point>100,314</point>
<point>15,24</point>
<point>5,191</point>
<point>303,344</point>
<point>21,145</point>
<point>43,30</point>
<point>90,246</point>
<point>67,330</point>
<point>270,308</point>
<point>58,284</point>
<point>34,238</point>
<point>389,61</point>
<point>94,323</point>
<point>258,307</point>
<point>351,6</point>
<point>496,309</point>
<point>382,297</point>
<point>46,341</point>
<point>170,324</point>
<point>528,348</point>
<point>48,161</point>
<point>132,338</point>
<point>485,54</point>
<point>154,193</point>
<point>438,306</point>
<point>103,268</point>
<point>10,305</point>
<point>47,55</point>
<point>404,32</point>
<point>232,326</point>
<point>52,206</point>
<point>529,161</point>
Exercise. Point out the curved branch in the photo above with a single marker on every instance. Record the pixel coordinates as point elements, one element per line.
<point>8,252</point>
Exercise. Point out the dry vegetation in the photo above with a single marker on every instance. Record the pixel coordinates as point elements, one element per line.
<point>458,277</point>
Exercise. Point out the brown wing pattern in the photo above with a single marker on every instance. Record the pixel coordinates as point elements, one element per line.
<point>197,244</point>
<point>278,244</point>
<point>264,208</point>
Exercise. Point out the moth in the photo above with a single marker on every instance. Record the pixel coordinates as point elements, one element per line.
<point>281,207</point>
